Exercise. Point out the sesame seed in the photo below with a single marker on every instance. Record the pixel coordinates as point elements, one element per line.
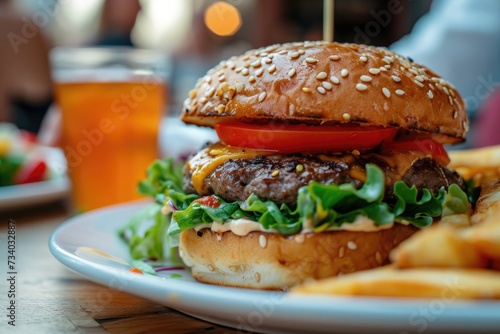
<point>374,70</point>
<point>245,71</point>
<point>291,109</point>
<point>275,173</point>
<point>321,90</point>
<point>419,83</point>
<point>222,78</point>
<point>220,108</point>
<point>419,78</point>
<point>455,114</point>
<point>399,92</point>
<point>446,91</point>
<point>192,93</point>
<point>295,55</point>
<point>450,99</point>
<point>435,79</point>
<point>341,251</point>
<point>386,92</point>
<point>256,63</point>
<point>327,85</point>
<point>267,60</point>
<point>231,92</point>
<point>310,60</point>
<point>210,91</point>
<point>239,86</point>
<point>396,78</point>
<point>299,168</point>
<point>251,79</point>
<point>272,69</point>
<point>262,241</point>
<point>321,76</point>
<point>299,238</point>
<point>361,87</point>
<point>335,80</point>
<point>306,89</point>
<point>346,116</point>
<point>439,86</point>
<point>334,57</point>
<point>365,78</point>
<point>203,100</point>
<point>355,152</point>
<point>452,92</point>
<point>344,73</point>
<point>352,245</point>
<point>387,66</point>
<point>429,94</point>
<point>431,86</point>
<point>301,52</point>
<point>271,55</point>
<point>363,59</point>
<point>383,69</point>
<point>211,267</point>
<point>259,72</point>
<point>464,124</point>
<point>291,73</point>
<point>413,71</point>
<point>262,96</point>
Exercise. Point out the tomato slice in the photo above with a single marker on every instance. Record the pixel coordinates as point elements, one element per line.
<point>210,201</point>
<point>303,138</point>
<point>426,145</point>
<point>32,171</point>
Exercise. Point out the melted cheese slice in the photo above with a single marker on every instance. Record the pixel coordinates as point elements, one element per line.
<point>207,160</point>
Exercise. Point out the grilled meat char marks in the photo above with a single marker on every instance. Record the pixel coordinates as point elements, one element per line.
<point>279,177</point>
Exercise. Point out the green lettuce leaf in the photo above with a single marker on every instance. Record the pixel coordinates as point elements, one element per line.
<point>145,233</point>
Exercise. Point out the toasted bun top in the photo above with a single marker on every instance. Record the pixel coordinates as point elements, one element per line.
<point>328,83</point>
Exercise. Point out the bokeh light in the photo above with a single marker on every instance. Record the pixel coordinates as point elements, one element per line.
<point>223,18</point>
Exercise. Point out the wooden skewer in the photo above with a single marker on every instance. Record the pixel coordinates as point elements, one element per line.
<point>328,11</point>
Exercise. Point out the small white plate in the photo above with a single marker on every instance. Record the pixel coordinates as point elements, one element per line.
<point>249,310</point>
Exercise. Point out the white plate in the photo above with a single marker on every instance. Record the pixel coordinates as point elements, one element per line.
<point>14,197</point>
<point>261,311</point>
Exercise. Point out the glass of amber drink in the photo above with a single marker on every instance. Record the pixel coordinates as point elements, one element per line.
<point>111,102</point>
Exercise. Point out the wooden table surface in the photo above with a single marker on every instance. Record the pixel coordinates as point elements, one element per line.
<point>52,299</point>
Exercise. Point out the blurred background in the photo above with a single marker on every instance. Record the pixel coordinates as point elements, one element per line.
<point>196,34</point>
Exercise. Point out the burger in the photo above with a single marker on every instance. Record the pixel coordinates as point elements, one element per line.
<point>329,156</point>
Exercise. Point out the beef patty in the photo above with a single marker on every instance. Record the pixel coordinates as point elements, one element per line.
<point>279,177</point>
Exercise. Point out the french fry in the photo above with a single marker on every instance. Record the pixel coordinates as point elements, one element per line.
<point>438,246</point>
<point>421,283</point>
<point>449,283</point>
<point>480,159</point>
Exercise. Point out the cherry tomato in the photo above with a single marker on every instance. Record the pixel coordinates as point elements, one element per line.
<point>210,201</point>
<point>32,171</point>
<point>425,145</point>
<point>135,270</point>
<point>300,138</point>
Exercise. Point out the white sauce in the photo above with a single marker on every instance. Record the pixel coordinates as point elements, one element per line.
<point>239,227</point>
<point>243,226</point>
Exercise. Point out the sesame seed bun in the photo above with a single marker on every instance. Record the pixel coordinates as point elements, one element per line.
<point>271,261</point>
<point>328,83</point>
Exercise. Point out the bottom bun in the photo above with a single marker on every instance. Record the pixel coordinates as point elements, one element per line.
<point>271,261</point>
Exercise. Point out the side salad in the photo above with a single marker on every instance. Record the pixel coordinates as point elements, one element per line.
<point>18,163</point>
